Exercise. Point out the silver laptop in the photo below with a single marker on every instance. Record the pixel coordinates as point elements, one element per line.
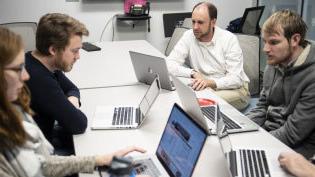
<point>206,114</point>
<point>178,150</point>
<point>146,66</point>
<point>247,162</point>
<point>126,116</point>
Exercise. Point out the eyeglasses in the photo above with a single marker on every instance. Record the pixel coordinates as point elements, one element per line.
<point>17,69</point>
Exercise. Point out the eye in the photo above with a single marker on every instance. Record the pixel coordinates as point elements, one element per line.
<point>274,42</point>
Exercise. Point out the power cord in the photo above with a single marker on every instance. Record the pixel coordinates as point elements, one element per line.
<point>110,20</point>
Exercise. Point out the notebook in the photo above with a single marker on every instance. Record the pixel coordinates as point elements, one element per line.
<point>247,162</point>
<point>126,116</point>
<point>178,150</point>
<point>205,115</point>
<point>146,65</point>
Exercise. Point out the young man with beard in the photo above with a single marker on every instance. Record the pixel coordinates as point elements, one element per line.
<point>215,58</point>
<point>55,99</point>
<point>286,105</point>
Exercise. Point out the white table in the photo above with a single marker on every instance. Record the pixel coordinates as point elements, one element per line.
<point>111,66</point>
<point>211,161</point>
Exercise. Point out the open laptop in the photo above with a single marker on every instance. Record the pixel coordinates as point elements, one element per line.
<point>178,150</point>
<point>126,116</point>
<point>247,162</point>
<point>206,114</point>
<point>144,65</point>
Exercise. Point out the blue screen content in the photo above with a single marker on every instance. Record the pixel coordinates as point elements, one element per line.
<point>181,143</point>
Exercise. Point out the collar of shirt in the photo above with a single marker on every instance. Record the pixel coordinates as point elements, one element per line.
<point>301,59</point>
<point>298,61</point>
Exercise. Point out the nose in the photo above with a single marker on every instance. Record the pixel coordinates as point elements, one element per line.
<point>266,48</point>
<point>77,55</point>
<point>195,25</point>
<point>24,75</point>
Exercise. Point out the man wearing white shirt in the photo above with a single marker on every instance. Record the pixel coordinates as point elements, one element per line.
<point>215,58</point>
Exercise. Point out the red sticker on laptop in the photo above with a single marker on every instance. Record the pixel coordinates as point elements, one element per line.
<point>206,102</point>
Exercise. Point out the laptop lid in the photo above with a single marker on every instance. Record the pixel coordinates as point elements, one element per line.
<point>181,143</point>
<point>189,100</point>
<point>224,139</point>
<point>149,98</point>
<point>146,66</point>
<point>104,115</point>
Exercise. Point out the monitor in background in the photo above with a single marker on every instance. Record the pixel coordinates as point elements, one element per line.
<point>173,20</point>
<point>250,20</point>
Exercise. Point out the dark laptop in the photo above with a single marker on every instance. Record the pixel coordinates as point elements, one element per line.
<point>179,148</point>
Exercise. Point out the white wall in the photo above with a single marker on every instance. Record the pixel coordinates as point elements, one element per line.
<point>96,13</point>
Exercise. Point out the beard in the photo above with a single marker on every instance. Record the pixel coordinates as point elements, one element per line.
<point>62,65</point>
<point>200,35</point>
<point>284,60</point>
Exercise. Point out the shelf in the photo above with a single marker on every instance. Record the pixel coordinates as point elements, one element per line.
<point>124,17</point>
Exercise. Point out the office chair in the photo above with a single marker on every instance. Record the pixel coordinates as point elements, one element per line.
<point>177,34</point>
<point>27,30</point>
<point>187,23</point>
<point>250,21</point>
<point>172,21</point>
<point>250,48</point>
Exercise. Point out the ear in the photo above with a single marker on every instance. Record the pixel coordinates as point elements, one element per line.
<point>295,39</point>
<point>213,21</point>
<point>52,50</point>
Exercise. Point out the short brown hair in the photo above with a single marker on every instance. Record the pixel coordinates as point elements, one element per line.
<point>55,30</point>
<point>12,133</point>
<point>212,10</point>
<point>289,21</point>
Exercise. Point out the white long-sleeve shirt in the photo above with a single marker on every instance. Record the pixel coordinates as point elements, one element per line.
<point>221,59</point>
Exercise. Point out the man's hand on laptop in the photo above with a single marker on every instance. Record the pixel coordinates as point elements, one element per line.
<point>101,160</point>
<point>200,83</point>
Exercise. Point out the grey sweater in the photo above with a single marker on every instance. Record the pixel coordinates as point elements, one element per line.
<point>34,159</point>
<point>286,107</point>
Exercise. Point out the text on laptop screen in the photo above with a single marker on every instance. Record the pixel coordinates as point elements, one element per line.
<point>150,96</point>
<point>181,144</point>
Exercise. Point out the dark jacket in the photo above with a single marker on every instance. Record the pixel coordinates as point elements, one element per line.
<point>50,92</point>
<point>286,107</point>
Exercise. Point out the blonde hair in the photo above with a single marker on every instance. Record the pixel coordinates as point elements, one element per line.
<point>288,21</point>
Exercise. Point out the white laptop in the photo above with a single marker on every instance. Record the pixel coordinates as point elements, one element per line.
<point>206,115</point>
<point>178,150</point>
<point>126,116</point>
<point>247,162</point>
<point>146,65</point>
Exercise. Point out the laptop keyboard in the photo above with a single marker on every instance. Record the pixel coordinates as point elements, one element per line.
<point>209,112</point>
<point>147,167</point>
<point>253,163</point>
<point>123,116</point>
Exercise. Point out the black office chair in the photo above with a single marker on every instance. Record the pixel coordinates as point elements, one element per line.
<point>249,23</point>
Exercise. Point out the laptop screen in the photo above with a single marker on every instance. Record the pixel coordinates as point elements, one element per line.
<point>150,96</point>
<point>181,144</point>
